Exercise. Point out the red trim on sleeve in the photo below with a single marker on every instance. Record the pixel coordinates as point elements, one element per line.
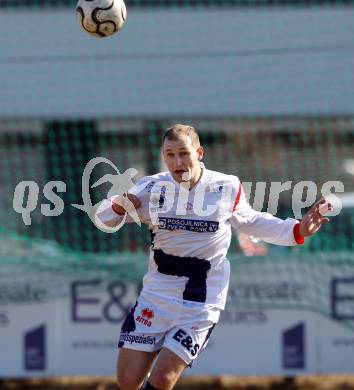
<point>298,237</point>
<point>237,198</point>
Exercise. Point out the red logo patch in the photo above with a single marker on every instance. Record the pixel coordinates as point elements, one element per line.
<point>147,313</point>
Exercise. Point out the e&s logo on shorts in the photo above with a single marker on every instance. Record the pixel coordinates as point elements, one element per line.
<point>182,337</point>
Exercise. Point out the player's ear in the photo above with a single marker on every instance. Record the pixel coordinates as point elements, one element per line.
<point>200,152</point>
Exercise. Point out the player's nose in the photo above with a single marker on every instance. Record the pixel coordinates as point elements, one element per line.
<point>178,162</point>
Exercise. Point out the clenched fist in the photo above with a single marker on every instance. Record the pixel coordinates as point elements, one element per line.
<point>126,202</point>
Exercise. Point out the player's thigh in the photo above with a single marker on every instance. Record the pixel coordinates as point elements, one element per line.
<point>167,370</point>
<point>132,367</point>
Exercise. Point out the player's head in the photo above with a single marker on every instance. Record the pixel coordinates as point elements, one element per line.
<point>182,153</point>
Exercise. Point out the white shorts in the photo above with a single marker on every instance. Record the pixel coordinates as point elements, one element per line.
<point>183,327</point>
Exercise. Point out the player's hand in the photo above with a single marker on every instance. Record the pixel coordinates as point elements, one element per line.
<point>125,203</point>
<point>314,219</point>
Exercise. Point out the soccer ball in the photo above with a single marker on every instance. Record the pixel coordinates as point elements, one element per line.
<point>101,18</point>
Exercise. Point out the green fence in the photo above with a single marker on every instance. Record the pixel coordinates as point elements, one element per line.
<point>263,150</point>
<point>42,149</point>
<point>45,254</point>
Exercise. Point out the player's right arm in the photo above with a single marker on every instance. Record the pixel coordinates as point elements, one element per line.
<point>111,212</point>
<point>126,208</point>
<point>120,203</point>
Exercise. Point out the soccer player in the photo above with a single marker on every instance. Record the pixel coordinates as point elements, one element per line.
<point>190,210</point>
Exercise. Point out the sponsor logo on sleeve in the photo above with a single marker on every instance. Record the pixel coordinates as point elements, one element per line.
<point>218,188</point>
<point>149,186</point>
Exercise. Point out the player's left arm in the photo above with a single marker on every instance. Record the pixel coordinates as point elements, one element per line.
<point>273,230</point>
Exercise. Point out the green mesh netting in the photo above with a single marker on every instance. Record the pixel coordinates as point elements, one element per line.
<point>53,250</point>
<point>317,150</point>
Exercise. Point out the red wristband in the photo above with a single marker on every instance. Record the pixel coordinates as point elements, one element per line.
<point>298,237</point>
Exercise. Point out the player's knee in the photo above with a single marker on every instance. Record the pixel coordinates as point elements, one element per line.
<point>127,381</point>
<point>163,380</point>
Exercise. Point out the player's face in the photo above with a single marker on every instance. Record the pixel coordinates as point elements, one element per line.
<point>182,159</point>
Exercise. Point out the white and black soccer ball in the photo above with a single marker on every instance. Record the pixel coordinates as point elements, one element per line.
<point>101,18</point>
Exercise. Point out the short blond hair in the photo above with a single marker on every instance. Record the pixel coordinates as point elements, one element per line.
<point>175,132</point>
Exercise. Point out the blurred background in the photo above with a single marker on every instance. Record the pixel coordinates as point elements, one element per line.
<point>270,87</point>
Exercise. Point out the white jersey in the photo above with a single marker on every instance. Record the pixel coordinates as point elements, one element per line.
<point>191,233</point>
